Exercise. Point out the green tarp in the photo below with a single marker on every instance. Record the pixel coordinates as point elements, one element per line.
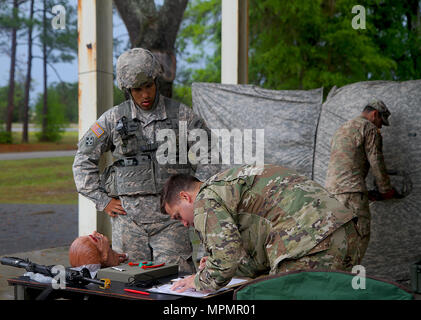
<point>317,285</point>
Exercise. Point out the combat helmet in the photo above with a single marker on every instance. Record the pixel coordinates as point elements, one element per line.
<point>136,67</point>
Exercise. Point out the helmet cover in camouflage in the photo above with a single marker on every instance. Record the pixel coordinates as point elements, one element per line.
<point>136,67</point>
<point>382,109</point>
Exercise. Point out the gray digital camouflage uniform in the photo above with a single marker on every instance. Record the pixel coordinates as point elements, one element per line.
<point>137,176</point>
<point>259,219</point>
<point>356,147</point>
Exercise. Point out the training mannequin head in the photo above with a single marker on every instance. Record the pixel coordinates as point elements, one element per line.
<point>83,252</point>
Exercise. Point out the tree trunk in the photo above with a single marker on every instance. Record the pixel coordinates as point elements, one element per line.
<point>28,77</point>
<point>44,53</point>
<point>11,93</point>
<point>156,30</point>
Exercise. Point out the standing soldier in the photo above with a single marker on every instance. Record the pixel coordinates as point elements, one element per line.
<point>357,146</point>
<point>129,190</point>
<point>261,219</point>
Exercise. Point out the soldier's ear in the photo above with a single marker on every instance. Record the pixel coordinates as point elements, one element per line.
<point>375,114</point>
<point>184,195</point>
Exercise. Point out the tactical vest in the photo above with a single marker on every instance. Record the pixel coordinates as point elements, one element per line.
<point>136,170</point>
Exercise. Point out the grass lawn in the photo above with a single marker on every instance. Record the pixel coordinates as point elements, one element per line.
<point>38,181</point>
<point>68,142</point>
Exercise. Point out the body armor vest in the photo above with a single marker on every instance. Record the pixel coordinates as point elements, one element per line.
<point>136,170</point>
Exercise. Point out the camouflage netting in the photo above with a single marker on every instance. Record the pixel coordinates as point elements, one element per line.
<point>289,119</point>
<point>395,237</point>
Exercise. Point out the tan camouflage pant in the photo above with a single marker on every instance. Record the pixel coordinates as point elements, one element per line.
<point>163,241</point>
<point>358,201</point>
<point>339,251</point>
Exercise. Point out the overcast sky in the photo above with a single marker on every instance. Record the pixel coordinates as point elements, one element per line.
<point>68,71</point>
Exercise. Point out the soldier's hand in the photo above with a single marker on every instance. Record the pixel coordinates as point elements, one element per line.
<point>202,263</point>
<point>392,194</point>
<point>184,284</point>
<point>122,257</point>
<point>114,208</point>
<point>388,195</point>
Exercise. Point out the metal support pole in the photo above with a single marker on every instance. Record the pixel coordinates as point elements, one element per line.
<point>234,42</point>
<point>95,54</point>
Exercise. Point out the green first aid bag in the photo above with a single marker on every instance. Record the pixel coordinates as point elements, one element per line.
<point>321,285</point>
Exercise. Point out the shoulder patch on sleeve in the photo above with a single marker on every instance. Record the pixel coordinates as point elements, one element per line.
<point>96,128</point>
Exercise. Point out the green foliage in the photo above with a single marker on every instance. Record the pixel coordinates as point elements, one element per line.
<point>398,34</point>
<point>118,96</point>
<point>5,137</point>
<point>18,101</point>
<point>182,94</point>
<point>307,44</point>
<point>317,45</point>
<point>67,94</point>
<point>56,121</point>
<point>199,43</point>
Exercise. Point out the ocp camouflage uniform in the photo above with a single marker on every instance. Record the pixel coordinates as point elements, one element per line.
<point>259,219</point>
<point>355,147</point>
<point>136,176</point>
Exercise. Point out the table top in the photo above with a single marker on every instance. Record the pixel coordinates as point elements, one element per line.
<point>116,290</point>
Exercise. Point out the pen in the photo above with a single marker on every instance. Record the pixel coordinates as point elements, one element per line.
<point>137,291</point>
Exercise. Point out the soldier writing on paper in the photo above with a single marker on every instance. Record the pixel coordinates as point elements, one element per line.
<point>256,220</point>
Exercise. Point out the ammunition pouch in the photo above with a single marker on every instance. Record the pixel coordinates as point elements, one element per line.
<point>138,176</point>
<point>130,176</point>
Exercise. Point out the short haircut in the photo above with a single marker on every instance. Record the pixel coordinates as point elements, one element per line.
<point>369,108</point>
<point>174,185</point>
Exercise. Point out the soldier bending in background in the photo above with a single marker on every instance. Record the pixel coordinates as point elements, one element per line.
<point>356,147</point>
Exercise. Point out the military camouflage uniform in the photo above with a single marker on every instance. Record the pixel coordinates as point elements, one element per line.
<point>136,177</point>
<point>357,146</point>
<point>259,219</point>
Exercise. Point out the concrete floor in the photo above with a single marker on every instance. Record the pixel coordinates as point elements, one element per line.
<point>29,227</point>
<point>41,233</point>
<point>51,256</point>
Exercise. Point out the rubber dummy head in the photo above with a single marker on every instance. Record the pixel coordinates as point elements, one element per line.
<point>83,252</point>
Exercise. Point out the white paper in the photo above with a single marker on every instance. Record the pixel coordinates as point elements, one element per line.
<point>166,288</point>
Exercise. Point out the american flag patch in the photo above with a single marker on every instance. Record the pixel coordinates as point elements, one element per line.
<point>97,130</point>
